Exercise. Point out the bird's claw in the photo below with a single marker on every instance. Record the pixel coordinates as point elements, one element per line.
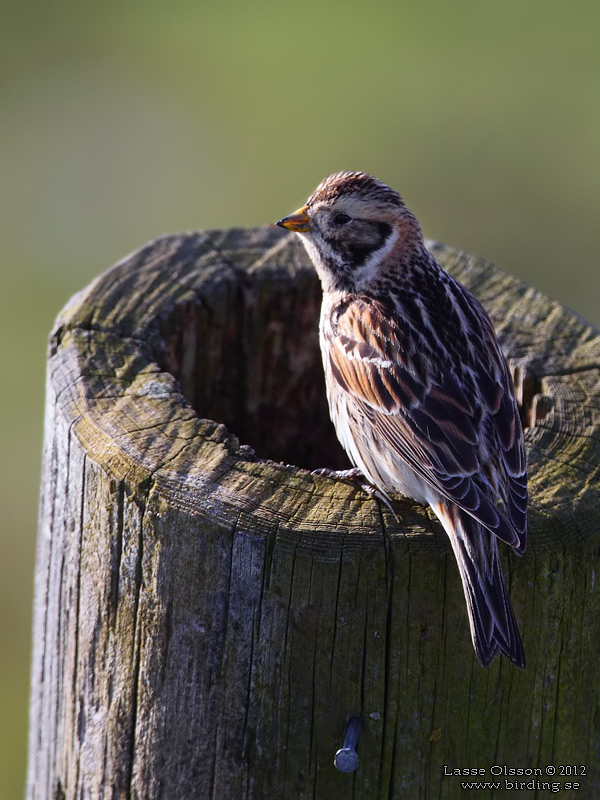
<point>374,493</point>
<point>354,475</point>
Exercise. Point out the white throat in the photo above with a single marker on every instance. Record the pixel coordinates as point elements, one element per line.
<point>319,256</point>
<point>323,255</point>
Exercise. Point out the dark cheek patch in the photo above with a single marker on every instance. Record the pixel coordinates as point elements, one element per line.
<point>372,237</point>
<point>384,230</point>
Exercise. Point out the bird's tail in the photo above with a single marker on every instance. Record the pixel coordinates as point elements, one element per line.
<point>491,618</point>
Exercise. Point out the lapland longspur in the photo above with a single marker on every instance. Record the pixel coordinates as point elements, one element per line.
<point>418,389</point>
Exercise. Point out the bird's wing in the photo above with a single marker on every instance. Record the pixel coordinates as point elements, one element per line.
<point>421,410</point>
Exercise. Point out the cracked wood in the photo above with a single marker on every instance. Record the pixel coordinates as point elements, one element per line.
<point>208,618</point>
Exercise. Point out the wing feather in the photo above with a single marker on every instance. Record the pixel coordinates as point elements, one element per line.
<point>426,417</point>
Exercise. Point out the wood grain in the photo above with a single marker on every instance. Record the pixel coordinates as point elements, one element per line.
<point>207,618</point>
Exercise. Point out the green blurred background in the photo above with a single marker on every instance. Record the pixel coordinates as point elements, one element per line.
<point>124,120</point>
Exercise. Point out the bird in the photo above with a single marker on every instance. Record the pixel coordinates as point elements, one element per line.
<point>419,391</point>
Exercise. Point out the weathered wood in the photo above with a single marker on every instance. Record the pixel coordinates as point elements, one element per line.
<point>207,620</point>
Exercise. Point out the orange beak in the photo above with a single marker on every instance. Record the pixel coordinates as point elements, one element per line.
<point>299,221</point>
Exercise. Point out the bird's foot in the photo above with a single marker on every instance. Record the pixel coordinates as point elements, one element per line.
<point>355,476</point>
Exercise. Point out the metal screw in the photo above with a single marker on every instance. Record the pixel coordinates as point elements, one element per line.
<point>346,758</point>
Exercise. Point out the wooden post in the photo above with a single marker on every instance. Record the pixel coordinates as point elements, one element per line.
<point>208,620</point>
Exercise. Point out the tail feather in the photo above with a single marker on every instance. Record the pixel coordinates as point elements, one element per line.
<point>491,618</point>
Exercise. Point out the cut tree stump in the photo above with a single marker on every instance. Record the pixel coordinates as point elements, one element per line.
<point>209,615</point>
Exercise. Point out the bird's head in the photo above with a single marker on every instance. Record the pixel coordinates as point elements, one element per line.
<point>355,229</point>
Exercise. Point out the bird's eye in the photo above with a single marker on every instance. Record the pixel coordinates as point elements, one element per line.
<point>341,219</point>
